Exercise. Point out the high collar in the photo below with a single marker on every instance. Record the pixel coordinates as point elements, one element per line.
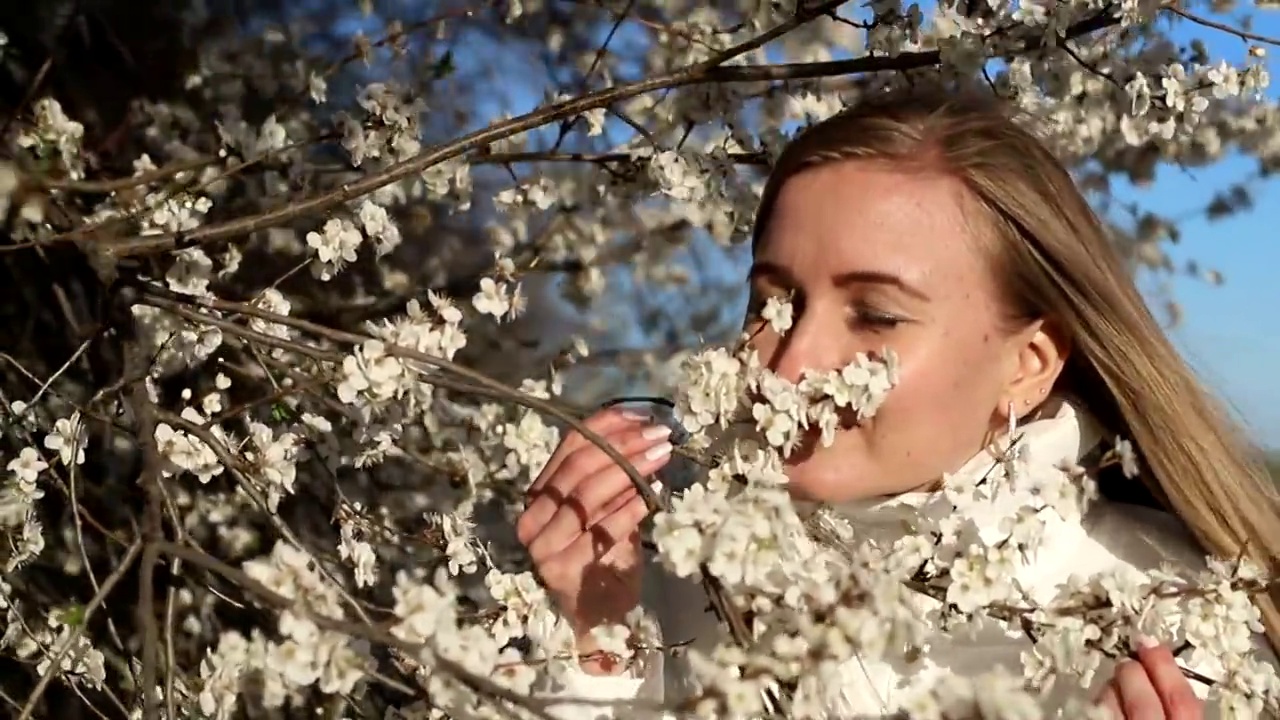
<point>1062,433</point>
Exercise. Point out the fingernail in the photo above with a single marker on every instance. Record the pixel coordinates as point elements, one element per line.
<point>637,415</point>
<point>655,432</point>
<point>657,452</point>
<point>1146,642</point>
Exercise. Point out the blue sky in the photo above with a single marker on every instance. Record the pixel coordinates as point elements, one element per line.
<point>1230,333</point>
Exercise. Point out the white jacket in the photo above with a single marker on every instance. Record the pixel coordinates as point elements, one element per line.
<point>1111,536</point>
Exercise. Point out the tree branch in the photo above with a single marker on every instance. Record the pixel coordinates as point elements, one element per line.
<point>55,662</point>
<point>698,74</point>
<point>137,360</point>
<point>376,634</point>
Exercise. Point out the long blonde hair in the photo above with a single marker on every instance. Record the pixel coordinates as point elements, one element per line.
<point>1058,262</point>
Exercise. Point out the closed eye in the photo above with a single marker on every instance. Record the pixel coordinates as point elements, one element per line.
<point>876,320</point>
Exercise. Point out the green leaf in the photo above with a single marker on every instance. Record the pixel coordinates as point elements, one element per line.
<point>281,412</point>
<point>72,616</point>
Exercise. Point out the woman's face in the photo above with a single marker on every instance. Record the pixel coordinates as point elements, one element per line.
<point>874,257</point>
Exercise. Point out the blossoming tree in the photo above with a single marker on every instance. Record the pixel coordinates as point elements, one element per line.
<point>269,401</point>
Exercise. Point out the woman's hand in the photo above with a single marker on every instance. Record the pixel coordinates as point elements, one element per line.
<point>1151,687</point>
<point>581,523</point>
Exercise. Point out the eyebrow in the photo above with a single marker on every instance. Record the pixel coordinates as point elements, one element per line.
<point>854,277</point>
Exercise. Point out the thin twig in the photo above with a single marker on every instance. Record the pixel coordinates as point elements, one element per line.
<point>144,417</point>
<point>26,97</point>
<point>709,71</point>
<point>483,385</point>
<point>1242,34</point>
<point>372,633</point>
<point>55,662</point>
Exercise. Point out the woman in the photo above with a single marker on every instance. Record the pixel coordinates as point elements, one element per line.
<point>933,224</point>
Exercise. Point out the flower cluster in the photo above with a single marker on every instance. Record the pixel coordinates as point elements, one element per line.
<point>286,357</point>
<point>824,596</point>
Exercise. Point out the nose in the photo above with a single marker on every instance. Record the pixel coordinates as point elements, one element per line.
<point>811,344</point>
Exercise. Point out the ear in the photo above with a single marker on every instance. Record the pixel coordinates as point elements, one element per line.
<point>1038,353</point>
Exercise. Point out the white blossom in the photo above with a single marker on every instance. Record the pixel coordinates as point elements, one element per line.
<point>329,466</point>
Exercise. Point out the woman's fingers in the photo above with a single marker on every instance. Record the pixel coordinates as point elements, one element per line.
<point>1138,697</point>
<point>604,423</point>
<point>580,466</point>
<point>588,504</point>
<point>589,460</point>
<point>1111,701</point>
<point>1177,697</point>
<point>582,505</point>
<point>618,526</point>
<point>578,565</point>
<point>1151,687</point>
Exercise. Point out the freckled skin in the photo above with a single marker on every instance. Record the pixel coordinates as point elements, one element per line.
<point>958,357</point>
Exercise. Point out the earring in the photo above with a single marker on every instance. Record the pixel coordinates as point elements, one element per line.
<point>1013,421</point>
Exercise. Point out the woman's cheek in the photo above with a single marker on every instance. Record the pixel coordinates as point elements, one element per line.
<point>913,371</point>
<point>923,388</point>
